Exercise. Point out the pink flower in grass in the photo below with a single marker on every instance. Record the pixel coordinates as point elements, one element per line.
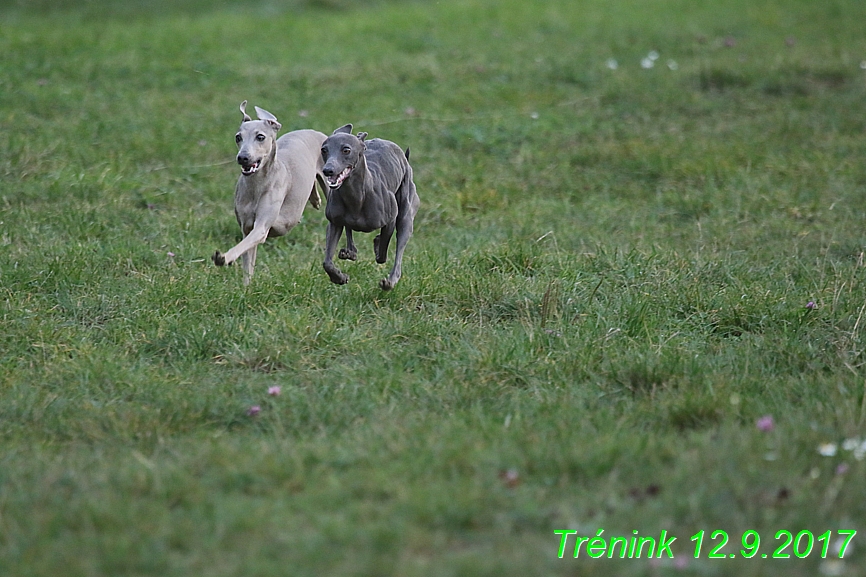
<point>811,305</point>
<point>765,423</point>
<point>275,391</point>
<point>254,410</point>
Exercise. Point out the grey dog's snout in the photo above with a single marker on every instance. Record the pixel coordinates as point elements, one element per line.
<point>328,170</point>
<point>243,159</point>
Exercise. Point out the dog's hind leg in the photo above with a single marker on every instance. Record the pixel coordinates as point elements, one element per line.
<point>315,199</point>
<point>332,238</point>
<point>408,206</point>
<point>405,228</point>
<point>381,242</point>
<point>351,251</point>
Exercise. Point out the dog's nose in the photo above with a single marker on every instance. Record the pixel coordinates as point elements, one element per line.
<point>328,171</point>
<point>243,159</point>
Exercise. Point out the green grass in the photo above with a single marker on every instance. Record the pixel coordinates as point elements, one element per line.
<point>606,289</point>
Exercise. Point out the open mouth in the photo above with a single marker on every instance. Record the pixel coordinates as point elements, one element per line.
<point>336,181</point>
<point>247,170</point>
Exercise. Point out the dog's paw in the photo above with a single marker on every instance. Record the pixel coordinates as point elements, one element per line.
<point>346,254</point>
<point>386,284</point>
<point>336,275</point>
<point>218,258</point>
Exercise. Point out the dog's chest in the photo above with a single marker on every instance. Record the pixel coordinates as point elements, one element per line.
<point>246,205</point>
<point>373,213</point>
<point>246,213</point>
<point>361,224</point>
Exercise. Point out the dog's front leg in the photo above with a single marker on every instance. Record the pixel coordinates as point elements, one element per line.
<point>268,210</point>
<point>248,264</point>
<point>331,240</point>
<point>351,251</point>
<point>252,240</point>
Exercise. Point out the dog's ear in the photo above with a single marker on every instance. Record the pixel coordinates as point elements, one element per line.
<point>346,129</point>
<point>362,136</point>
<point>244,111</point>
<point>268,117</point>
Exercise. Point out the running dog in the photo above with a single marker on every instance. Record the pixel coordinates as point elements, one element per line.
<point>278,177</point>
<point>371,188</point>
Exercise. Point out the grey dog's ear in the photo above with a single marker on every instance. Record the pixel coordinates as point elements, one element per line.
<point>244,111</point>
<point>268,117</point>
<point>346,129</point>
<point>362,136</point>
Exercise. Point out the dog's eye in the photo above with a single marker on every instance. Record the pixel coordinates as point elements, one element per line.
<point>346,150</point>
<point>260,137</point>
<point>238,138</point>
<point>324,153</point>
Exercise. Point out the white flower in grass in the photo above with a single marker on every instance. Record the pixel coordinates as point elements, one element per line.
<point>827,449</point>
<point>612,63</point>
<point>863,65</point>
<point>653,55</point>
<point>647,63</point>
<point>672,65</point>
<point>836,547</point>
<point>856,446</point>
<point>850,444</point>
<point>832,567</point>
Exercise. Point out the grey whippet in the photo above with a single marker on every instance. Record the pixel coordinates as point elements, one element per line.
<point>278,176</point>
<point>371,188</point>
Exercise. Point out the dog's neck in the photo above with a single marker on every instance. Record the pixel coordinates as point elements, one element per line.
<point>268,164</point>
<point>359,182</point>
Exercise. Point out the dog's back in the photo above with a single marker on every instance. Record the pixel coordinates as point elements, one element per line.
<point>299,151</point>
<point>387,164</point>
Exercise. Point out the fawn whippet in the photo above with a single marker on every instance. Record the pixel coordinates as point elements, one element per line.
<point>278,176</point>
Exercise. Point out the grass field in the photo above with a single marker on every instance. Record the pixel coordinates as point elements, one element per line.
<point>621,264</point>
